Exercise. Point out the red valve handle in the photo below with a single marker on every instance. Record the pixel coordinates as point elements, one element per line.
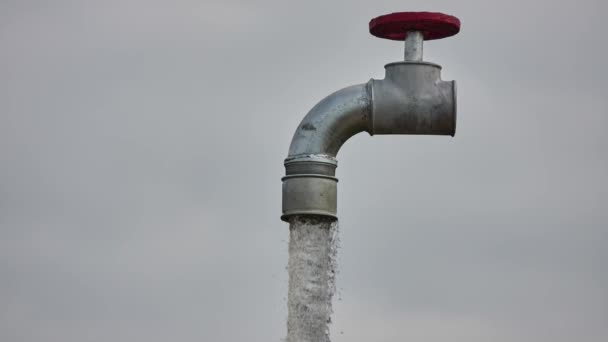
<point>432,25</point>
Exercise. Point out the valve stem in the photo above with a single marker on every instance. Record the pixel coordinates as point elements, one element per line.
<point>413,46</point>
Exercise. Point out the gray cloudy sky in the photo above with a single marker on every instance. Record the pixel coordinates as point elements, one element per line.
<point>141,149</point>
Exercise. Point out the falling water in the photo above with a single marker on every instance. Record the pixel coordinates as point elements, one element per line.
<point>313,243</point>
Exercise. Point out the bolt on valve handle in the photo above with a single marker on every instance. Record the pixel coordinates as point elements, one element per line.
<point>413,28</point>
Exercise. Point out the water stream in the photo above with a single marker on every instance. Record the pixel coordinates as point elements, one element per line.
<point>313,243</point>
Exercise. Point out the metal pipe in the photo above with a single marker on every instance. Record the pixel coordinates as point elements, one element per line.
<point>332,121</point>
<point>411,99</point>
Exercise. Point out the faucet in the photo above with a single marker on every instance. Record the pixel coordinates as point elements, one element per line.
<point>411,99</point>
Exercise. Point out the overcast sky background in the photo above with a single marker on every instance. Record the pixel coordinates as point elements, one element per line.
<point>141,150</point>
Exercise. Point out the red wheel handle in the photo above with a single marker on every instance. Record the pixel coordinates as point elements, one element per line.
<point>432,25</point>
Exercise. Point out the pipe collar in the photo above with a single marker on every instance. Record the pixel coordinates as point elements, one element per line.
<point>310,187</point>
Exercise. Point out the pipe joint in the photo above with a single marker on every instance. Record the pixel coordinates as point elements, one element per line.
<point>412,99</point>
<point>310,186</point>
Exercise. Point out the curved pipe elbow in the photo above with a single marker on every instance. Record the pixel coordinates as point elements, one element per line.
<point>332,121</point>
<point>310,185</point>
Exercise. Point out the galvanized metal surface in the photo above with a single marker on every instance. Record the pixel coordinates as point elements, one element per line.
<point>309,194</point>
<point>412,99</point>
<point>332,121</point>
<point>309,187</point>
<point>413,46</point>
